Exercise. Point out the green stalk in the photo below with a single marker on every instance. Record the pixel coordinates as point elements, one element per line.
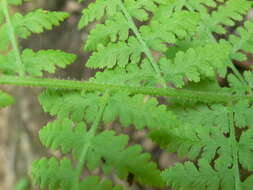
<point>234,146</point>
<point>12,36</point>
<point>90,136</point>
<point>200,96</point>
<point>143,43</point>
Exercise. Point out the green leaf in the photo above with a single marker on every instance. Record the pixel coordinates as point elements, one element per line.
<point>115,28</point>
<point>104,148</point>
<point>119,54</point>
<point>242,41</point>
<point>17,2</point>
<point>227,14</point>
<point>45,60</point>
<point>97,10</point>
<point>5,99</point>
<point>34,22</point>
<point>132,75</point>
<point>56,175</point>
<point>169,29</point>
<point>37,21</point>
<point>140,111</point>
<point>199,141</point>
<point>245,148</point>
<point>67,104</point>
<point>197,62</point>
<point>201,177</point>
<point>136,110</point>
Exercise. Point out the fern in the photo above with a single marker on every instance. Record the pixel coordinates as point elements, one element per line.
<point>145,50</point>
<point>5,99</point>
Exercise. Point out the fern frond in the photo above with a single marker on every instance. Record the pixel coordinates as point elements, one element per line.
<point>169,29</point>
<point>212,116</point>
<point>195,141</point>
<point>246,149</point>
<point>56,174</point>
<point>132,75</point>
<point>236,85</point>
<point>242,41</point>
<point>37,21</point>
<point>140,111</point>
<point>203,176</point>
<point>16,2</point>
<point>248,183</point>
<point>137,9</point>
<point>119,54</point>
<point>227,14</point>
<point>136,110</point>
<point>104,148</point>
<point>115,28</point>
<point>193,5</point>
<point>34,22</point>
<point>45,60</point>
<point>197,62</point>
<point>96,10</point>
<point>34,63</point>
<point>70,104</point>
<point>5,99</point>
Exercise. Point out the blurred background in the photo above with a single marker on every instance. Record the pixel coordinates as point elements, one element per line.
<point>19,142</point>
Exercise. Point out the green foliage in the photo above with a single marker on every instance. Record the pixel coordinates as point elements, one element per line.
<point>5,99</point>
<point>136,110</point>
<point>34,22</point>
<point>105,148</point>
<point>34,63</point>
<point>56,174</point>
<point>176,48</point>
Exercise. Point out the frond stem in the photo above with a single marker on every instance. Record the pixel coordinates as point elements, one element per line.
<point>234,146</point>
<point>90,136</point>
<point>12,36</point>
<point>143,43</point>
<point>199,96</point>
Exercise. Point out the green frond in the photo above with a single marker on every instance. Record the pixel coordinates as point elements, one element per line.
<point>115,28</point>
<point>194,141</point>
<point>237,86</point>
<point>67,104</point>
<point>96,10</point>
<point>56,175</point>
<point>194,5</point>
<point>196,63</point>
<point>16,2</point>
<point>136,110</point>
<point>132,75</point>
<point>34,63</point>
<point>243,114</point>
<point>137,9</point>
<point>248,183</point>
<point>212,116</point>
<point>104,148</point>
<point>169,29</point>
<point>242,41</point>
<point>4,43</point>
<point>201,177</point>
<point>5,99</point>
<point>245,148</point>
<point>228,14</point>
<point>139,110</point>
<point>45,60</point>
<point>34,22</point>
<point>37,21</point>
<point>53,174</point>
<point>119,54</point>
